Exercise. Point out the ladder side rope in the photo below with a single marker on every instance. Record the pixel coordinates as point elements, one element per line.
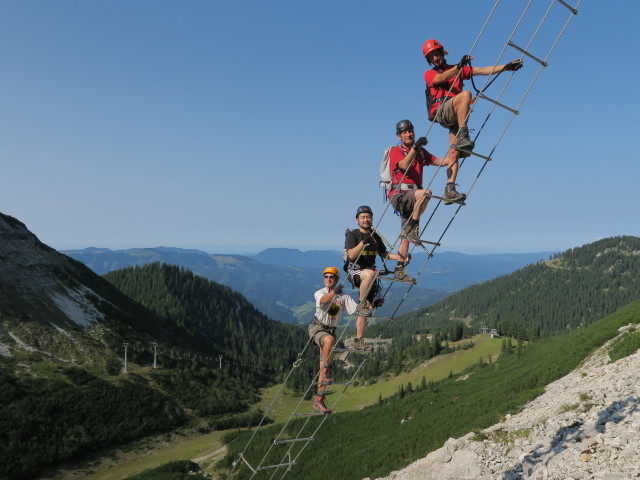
<point>555,43</point>
<point>309,388</point>
<point>324,417</point>
<point>264,417</point>
<point>295,410</point>
<point>430,254</point>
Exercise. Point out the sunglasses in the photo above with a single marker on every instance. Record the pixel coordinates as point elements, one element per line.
<point>330,276</point>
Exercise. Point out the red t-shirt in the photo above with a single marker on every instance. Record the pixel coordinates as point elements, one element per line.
<point>414,173</point>
<point>442,89</point>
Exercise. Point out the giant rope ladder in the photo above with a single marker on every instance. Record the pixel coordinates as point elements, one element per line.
<point>296,443</point>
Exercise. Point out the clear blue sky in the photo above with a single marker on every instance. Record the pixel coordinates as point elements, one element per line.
<point>235,126</point>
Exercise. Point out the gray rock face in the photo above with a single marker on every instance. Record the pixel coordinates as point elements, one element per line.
<point>585,426</point>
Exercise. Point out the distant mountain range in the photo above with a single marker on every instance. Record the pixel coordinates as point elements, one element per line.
<point>281,281</point>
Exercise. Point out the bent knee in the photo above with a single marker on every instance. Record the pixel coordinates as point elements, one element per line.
<point>367,274</point>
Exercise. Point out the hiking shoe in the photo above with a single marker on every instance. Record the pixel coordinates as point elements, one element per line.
<point>360,346</point>
<point>363,309</point>
<point>402,275</point>
<point>451,196</point>
<point>326,375</point>
<point>462,140</point>
<point>318,404</point>
<point>413,235</point>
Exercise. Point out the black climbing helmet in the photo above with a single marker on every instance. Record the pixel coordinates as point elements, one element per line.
<point>403,125</point>
<point>364,209</point>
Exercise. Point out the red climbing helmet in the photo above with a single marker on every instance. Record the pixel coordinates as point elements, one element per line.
<point>431,45</point>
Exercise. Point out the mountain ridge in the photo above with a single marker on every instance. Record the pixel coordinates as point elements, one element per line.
<point>281,281</point>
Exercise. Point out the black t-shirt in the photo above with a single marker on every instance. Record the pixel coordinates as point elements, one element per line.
<point>368,256</point>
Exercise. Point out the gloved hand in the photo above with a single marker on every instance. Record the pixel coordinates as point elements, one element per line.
<point>465,60</point>
<point>367,238</point>
<point>338,289</point>
<point>513,66</point>
<point>421,142</point>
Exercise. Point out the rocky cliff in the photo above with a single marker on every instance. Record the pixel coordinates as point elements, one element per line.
<point>585,426</point>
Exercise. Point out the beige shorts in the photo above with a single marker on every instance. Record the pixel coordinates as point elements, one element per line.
<point>446,116</point>
<point>318,331</point>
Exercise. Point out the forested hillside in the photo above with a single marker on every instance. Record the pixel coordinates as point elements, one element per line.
<point>214,319</point>
<point>573,289</point>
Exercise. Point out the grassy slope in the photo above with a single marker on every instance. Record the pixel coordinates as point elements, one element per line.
<point>358,397</point>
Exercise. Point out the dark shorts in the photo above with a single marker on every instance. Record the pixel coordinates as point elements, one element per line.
<point>446,116</point>
<point>317,332</point>
<point>353,275</point>
<point>403,203</point>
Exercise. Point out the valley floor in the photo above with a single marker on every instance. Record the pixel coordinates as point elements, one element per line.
<point>207,449</point>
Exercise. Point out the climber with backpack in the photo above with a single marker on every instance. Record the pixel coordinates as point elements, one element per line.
<point>403,165</point>
<point>362,245</point>
<point>447,103</point>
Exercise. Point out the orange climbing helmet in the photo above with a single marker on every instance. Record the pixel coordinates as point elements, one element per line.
<point>431,45</point>
<point>332,271</point>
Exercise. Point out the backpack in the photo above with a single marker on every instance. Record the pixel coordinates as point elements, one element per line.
<point>427,93</point>
<point>345,256</point>
<point>385,173</point>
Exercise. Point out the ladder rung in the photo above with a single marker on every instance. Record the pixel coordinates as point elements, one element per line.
<point>395,280</point>
<point>435,244</point>
<point>573,10</point>
<point>488,159</point>
<point>541,62</point>
<point>311,414</point>
<point>350,350</point>
<point>444,199</point>
<point>382,318</point>
<point>288,464</point>
<point>291,440</point>
<point>495,102</point>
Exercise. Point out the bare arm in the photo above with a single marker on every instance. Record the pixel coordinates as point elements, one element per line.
<point>353,253</point>
<point>446,75</point>
<point>497,68</point>
<point>406,161</point>
<point>327,297</point>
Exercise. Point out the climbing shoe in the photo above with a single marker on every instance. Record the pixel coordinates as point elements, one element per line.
<point>318,404</point>
<point>360,346</point>
<point>451,196</point>
<point>412,234</point>
<point>462,140</point>
<point>326,375</point>
<point>363,309</point>
<point>402,275</point>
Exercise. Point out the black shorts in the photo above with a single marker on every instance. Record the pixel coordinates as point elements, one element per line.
<point>353,275</point>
